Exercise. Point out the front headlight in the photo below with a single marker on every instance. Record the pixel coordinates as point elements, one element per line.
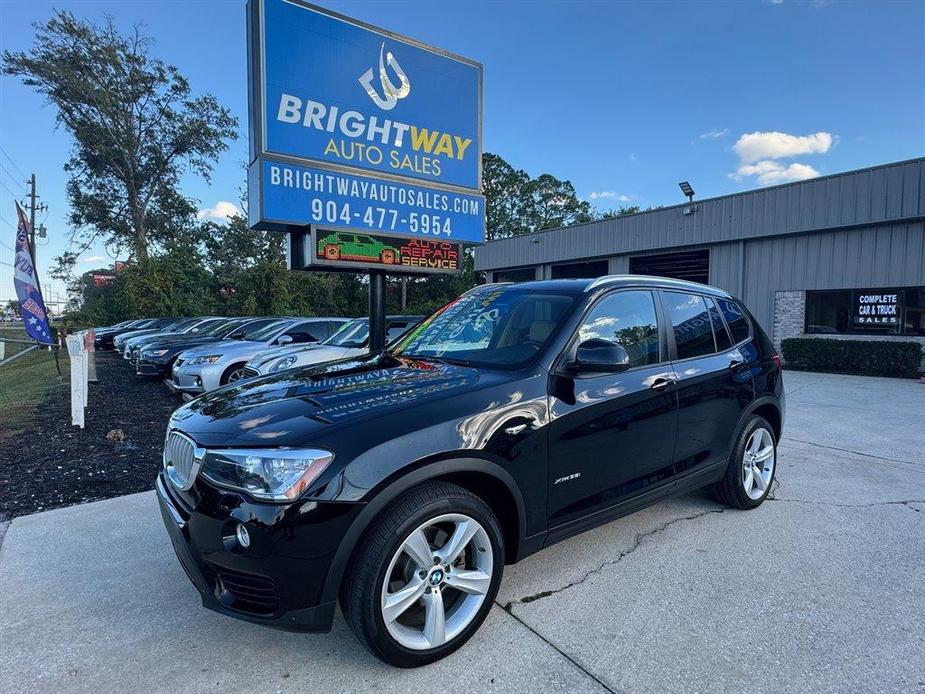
<point>270,474</point>
<point>210,359</point>
<point>284,364</point>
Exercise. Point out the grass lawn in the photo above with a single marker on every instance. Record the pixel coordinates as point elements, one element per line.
<point>24,383</point>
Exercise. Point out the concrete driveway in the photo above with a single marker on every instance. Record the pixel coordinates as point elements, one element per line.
<point>821,589</point>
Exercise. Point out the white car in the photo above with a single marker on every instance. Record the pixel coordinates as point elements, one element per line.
<point>350,341</point>
<point>216,364</point>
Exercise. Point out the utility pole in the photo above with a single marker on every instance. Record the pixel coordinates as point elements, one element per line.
<point>33,208</point>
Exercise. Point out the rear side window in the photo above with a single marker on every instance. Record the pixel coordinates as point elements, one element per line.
<point>693,334</point>
<point>719,329</point>
<point>627,318</point>
<point>735,319</point>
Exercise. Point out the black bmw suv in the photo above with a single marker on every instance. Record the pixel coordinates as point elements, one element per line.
<point>400,484</point>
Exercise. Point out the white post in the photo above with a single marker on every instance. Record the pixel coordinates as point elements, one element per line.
<point>78,357</point>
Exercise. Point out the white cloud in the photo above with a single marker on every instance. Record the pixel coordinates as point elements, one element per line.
<point>714,134</point>
<point>770,173</point>
<point>609,194</point>
<point>221,212</point>
<point>752,147</point>
<point>93,258</point>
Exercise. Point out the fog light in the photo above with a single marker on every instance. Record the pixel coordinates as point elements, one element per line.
<point>244,538</point>
<point>198,381</point>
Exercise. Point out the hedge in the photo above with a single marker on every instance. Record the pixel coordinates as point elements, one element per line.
<point>862,357</point>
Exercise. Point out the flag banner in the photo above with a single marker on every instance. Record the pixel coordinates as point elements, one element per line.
<point>31,304</point>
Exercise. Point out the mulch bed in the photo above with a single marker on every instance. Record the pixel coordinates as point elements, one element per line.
<point>54,464</point>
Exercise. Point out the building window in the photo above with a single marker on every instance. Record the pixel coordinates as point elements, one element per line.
<point>597,268</point>
<point>527,274</point>
<point>687,265</point>
<point>871,311</point>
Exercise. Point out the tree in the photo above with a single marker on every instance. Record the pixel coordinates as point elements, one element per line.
<point>621,211</point>
<point>517,204</point>
<point>554,203</point>
<point>135,126</point>
<point>506,196</point>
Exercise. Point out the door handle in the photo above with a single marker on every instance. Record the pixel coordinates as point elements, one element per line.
<point>662,382</point>
<point>736,360</point>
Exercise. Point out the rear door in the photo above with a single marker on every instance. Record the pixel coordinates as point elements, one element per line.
<point>611,435</point>
<point>714,384</point>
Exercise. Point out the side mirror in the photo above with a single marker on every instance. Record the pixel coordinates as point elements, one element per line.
<point>599,356</point>
<point>284,340</point>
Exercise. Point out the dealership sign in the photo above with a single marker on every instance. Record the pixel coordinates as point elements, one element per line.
<point>357,128</point>
<point>876,308</point>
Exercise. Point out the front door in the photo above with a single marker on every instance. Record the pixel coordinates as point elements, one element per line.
<point>611,435</point>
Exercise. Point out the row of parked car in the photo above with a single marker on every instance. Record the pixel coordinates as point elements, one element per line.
<point>197,355</point>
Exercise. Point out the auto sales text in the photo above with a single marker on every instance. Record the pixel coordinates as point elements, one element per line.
<point>427,145</point>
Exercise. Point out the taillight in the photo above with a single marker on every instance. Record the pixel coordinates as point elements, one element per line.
<point>775,357</point>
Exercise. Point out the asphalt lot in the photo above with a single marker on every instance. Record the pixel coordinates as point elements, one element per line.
<point>820,589</point>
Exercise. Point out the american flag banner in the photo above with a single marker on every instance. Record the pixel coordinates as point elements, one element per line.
<point>31,304</point>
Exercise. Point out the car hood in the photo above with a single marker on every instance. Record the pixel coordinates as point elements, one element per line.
<point>137,339</point>
<point>182,342</point>
<point>325,353</point>
<point>268,355</point>
<point>129,334</point>
<point>243,349</point>
<point>289,408</point>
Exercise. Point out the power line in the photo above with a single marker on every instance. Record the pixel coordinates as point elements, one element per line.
<point>12,177</point>
<point>12,162</point>
<point>15,195</point>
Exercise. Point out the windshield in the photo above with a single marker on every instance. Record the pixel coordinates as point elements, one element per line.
<point>223,328</point>
<point>490,327</point>
<point>181,325</point>
<point>266,332</point>
<point>352,334</point>
<point>197,327</point>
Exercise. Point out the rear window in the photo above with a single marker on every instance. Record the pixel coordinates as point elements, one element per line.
<point>735,319</point>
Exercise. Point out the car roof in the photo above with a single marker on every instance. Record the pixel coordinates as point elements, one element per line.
<point>612,281</point>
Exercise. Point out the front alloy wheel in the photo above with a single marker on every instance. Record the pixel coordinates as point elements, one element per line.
<point>437,581</point>
<point>236,374</point>
<point>425,575</point>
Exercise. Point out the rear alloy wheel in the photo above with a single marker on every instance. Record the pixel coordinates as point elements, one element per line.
<point>758,463</point>
<point>435,559</point>
<point>750,471</point>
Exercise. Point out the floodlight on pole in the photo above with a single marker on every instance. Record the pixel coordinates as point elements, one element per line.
<point>687,190</point>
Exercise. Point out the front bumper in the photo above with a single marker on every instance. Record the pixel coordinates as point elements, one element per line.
<point>278,580</point>
<point>200,378</point>
<point>149,367</point>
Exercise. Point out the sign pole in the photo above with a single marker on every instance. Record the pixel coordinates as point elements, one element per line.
<point>376,311</point>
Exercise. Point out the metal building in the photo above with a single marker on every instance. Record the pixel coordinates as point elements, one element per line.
<point>837,256</point>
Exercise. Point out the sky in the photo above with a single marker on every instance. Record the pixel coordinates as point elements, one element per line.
<point>624,99</point>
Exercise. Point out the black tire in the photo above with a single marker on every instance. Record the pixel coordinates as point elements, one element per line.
<point>730,490</point>
<point>230,370</point>
<point>361,590</point>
